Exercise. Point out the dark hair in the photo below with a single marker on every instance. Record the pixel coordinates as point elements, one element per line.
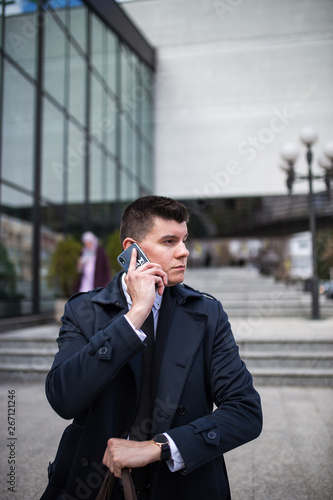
<point>137,219</point>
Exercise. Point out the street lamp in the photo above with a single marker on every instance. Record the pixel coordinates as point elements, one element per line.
<point>290,153</point>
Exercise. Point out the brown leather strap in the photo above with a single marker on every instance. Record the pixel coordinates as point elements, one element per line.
<point>129,490</point>
<point>106,489</point>
<point>105,492</point>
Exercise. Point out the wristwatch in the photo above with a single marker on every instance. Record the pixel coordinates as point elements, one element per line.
<point>162,441</point>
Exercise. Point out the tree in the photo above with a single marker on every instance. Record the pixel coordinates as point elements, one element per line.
<point>113,249</point>
<point>63,273</point>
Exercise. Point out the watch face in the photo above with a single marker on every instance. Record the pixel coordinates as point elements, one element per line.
<point>163,443</point>
<point>160,438</point>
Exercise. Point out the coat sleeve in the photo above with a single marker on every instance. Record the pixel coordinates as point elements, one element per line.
<point>237,418</point>
<point>85,365</point>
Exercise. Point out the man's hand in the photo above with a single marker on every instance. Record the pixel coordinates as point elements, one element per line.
<point>142,283</point>
<point>123,453</point>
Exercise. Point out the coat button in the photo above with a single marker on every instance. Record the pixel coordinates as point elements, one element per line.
<point>103,350</point>
<point>181,410</point>
<point>84,462</point>
<point>211,435</point>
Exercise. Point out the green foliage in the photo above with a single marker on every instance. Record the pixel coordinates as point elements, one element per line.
<point>113,249</point>
<point>7,275</point>
<point>325,253</point>
<point>63,272</point>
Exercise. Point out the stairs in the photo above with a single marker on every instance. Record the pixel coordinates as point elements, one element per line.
<point>243,292</point>
<point>28,354</point>
<point>271,322</point>
<point>287,362</point>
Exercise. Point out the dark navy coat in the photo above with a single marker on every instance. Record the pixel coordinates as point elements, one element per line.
<point>95,380</point>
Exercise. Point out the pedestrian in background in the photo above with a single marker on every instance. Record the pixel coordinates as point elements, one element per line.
<point>93,264</point>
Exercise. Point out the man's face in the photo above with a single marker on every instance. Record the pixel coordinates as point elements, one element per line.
<point>165,245</point>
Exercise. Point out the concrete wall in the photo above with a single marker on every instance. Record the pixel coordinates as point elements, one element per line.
<point>236,79</point>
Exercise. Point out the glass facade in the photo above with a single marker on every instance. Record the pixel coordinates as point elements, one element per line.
<point>76,137</point>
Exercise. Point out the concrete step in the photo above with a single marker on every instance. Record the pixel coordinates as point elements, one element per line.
<point>289,362</point>
<point>244,292</point>
<point>28,353</point>
<point>286,346</point>
<point>276,312</point>
<point>287,359</point>
<point>26,356</point>
<point>15,342</point>
<point>293,377</point>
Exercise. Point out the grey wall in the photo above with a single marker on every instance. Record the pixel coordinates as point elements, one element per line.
<point>236,79</point>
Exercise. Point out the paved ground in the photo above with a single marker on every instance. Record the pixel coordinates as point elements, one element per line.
<point>291,460</point>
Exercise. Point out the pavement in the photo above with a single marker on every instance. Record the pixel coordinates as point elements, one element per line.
<point>291,460</point>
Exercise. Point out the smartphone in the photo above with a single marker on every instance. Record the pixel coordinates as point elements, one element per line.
<point>125,257</point>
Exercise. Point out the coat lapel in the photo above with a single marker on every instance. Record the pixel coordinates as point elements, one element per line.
<point>163,325</point>
<point>186,330</point>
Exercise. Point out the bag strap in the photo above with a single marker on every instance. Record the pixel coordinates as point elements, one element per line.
<point>106,489</point>
<point>129,490</point>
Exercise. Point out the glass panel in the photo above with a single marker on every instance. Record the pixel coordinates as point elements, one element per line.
<point>18,129</point>
<point>79,26</point>
<point>96,177</point>
<point>147,103</point>
<point>147,168</point>
<point>54,57</point>
<point>1,23</point>
<point>97,108</point>
<point>98,43</point>
<point>102,177</point>
<point>76,164</point>
<point>127,80</point>
<point>107,131</point>
<point>20,40</point>
<point>128,187</point>
<point>54,163</point>
<point>48,242</point>
<point>111,66</point>
<point>103,107</point>
<point>110,181</point>
<point>77,76</point>
<point>16,253</point>
<point>127,144</point>
<point>138,92</point>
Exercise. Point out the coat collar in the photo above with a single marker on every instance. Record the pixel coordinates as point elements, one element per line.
<point>113,293</point>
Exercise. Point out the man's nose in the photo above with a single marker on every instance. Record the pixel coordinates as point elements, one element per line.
<point>182,251</point>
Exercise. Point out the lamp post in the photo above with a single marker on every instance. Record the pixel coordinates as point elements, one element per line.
<point>289,153</point>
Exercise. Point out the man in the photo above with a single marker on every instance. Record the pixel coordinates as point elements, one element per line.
<point>99,376</point>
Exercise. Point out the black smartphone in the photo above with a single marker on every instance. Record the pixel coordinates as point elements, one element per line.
<point>125,257</point>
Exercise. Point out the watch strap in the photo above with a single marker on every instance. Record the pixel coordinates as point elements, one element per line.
<point>162,441</point>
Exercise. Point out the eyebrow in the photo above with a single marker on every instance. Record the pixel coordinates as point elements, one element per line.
<point>172,237</point>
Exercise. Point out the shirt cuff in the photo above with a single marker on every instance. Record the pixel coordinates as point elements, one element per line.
<point>176,461</point>
<point>139,333</point>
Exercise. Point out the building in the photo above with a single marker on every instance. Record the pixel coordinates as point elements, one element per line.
<point>101,102</point>
<point>76,107</point>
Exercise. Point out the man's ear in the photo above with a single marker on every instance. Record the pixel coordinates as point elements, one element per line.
<point>127,243</point>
